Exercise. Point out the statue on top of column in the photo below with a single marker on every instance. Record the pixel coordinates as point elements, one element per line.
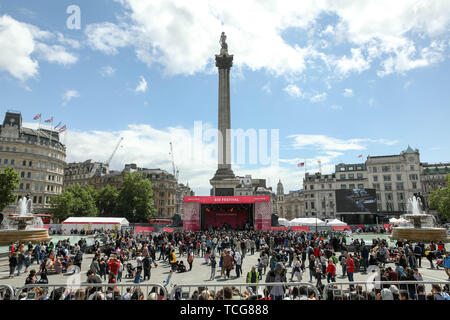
<point>223,43</point>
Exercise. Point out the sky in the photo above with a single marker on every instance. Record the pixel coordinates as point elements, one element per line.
<point>330,80</point>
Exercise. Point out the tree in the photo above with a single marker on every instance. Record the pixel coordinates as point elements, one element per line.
<point>135,201</point>
<point>9,180</point>
<point>106,201</point>
<point>74,201</point>
<point>440,200</point>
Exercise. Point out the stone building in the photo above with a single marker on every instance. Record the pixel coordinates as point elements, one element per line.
<point>395,179</point>
<point>351,176</point>
<point>249,186</point>
<point>181,192</point>
<point>319,195</point>
<point>38,156</point>
<point>83,173</point>
<point>164,186</point>
<point>433,177</point>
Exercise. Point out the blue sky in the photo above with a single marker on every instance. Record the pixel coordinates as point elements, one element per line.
<point>336,78</point>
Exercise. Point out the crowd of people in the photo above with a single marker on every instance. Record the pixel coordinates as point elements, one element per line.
<point>281,258</point>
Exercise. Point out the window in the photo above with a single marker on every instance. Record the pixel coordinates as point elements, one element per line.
<point>401,207</point>
<point>21,186</point>
<point>351,186</point>
<point>400,196</point>
<point>387,178</point>
<point>375,178</point>
<point>5,161</point>
<point>389,207</point>
<point>27,186</point>
<point>22,174</point>
<point>12,162</point>
<point>389,196</point>
<point>413,177</point>
<point>330,186</point>
<point>360,175</point>
<point>414,185</point>
<point>312,205</point>
<point>351,176</point>
<point>24,163</point>
<point>399,177</point>
<point>306,205</point>
<point>36,187</point>
<point>40,199</point>
<point>30,163</point>
<point>378,196</point>
<point>360,186</point>
<point>343,186</point>
<point>400,186</point>
<point>388,186</point>
<point>411,167</point>
<point>311,187</point>
<point>386,168</point>
<point>342,176</point>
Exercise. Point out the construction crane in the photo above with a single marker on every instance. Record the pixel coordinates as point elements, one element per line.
<point>175,169</point>
<point>114,152</point>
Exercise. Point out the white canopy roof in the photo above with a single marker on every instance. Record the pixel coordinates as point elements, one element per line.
<point>398,221</point>
<point>284,222</point>
<point>306,222</point>
<point>96,220</point>
<point>336,222</point>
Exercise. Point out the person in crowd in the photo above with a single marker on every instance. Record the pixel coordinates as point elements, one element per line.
<point>253,277</point>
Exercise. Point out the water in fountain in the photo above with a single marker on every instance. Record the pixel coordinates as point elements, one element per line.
<point>416,213</point>
<point>23,209</point>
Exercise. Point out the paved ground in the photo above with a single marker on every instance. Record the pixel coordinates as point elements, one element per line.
<point>200,273</point>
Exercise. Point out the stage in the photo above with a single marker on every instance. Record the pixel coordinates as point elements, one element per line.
<point>231,212</point>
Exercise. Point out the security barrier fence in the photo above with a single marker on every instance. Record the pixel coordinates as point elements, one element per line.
<point>91,291</point>
<point>240,291</point>
<point>357,290</point>
<point>373,290</point>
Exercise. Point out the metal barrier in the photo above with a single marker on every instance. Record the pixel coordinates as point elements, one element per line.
<point>78,291</point>
<point>7,292</point>
<point>367,290</point>
<point>179,292</point>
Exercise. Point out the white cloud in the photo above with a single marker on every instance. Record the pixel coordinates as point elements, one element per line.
<point>17,45</point>
<point>336,107</point>
<point>142,86</point>
<point>319,97</point>
<point>69,95</point>
<point>326,143</point>
<point>293,91</point>
<point>19,41</point>
<point>55,54</point>
<point>182,36</point>
<point>266,88</point>
<point>348,93</point>
<point>107,71</point>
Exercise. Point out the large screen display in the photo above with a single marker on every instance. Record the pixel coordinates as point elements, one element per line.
<point>356,200</point>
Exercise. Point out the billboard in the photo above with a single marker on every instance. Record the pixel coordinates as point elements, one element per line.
<point>356,200</point>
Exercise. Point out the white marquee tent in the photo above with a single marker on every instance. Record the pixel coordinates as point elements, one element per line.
<point>93,223</point>
<point>284,222</point>
<point>400,221</point>
<point>335,222</point>
<point>307,222</point>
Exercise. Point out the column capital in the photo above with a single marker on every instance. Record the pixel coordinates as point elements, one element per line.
<point>224,61</point>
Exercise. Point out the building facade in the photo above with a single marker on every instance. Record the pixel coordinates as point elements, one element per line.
<point>395,179</point>
<point>38,156</point>
<point>319,195</point>
<point>181,192</point>
<point>433,177</point>
<point>83,173</point>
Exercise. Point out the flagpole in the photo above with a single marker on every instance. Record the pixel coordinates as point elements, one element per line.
<point>39,129</point>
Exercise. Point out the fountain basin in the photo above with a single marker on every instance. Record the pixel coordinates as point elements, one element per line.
<point>30,235</point>
<point>420,234</point>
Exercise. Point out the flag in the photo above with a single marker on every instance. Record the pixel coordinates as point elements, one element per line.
<point>37,117</point>
<point>58,124</point>
<point>63,128</point>
<point>360,156</point>
<point>49,120</point>
<point>301,164</point>
<point>319,162</point>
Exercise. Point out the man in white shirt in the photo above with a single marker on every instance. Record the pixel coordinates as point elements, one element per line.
<point>238,260</point>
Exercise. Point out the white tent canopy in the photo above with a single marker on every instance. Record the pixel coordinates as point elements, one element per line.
<point>398,221</point>
<point>284,222</point>
<point>336,222</point>
<point>93,223</point>
<point>306,222</point>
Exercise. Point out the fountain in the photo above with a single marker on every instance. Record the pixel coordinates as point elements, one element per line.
<point>23,226</point>
<point>421,226</point>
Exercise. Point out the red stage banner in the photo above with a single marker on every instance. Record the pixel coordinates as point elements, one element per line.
<point>300,228</point>
<point>168,229</point>
<point>229,199</point>
<point>145,229</point>
<point>340,228</point>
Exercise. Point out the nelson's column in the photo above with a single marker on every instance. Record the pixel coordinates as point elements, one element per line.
<point>224,181</point>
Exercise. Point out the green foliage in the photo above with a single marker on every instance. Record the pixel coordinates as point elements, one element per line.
<point>135,202</point>
<point>440,200</point>
<point>9,180</point>
<point>106,201</point>
<point>74,201</point>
